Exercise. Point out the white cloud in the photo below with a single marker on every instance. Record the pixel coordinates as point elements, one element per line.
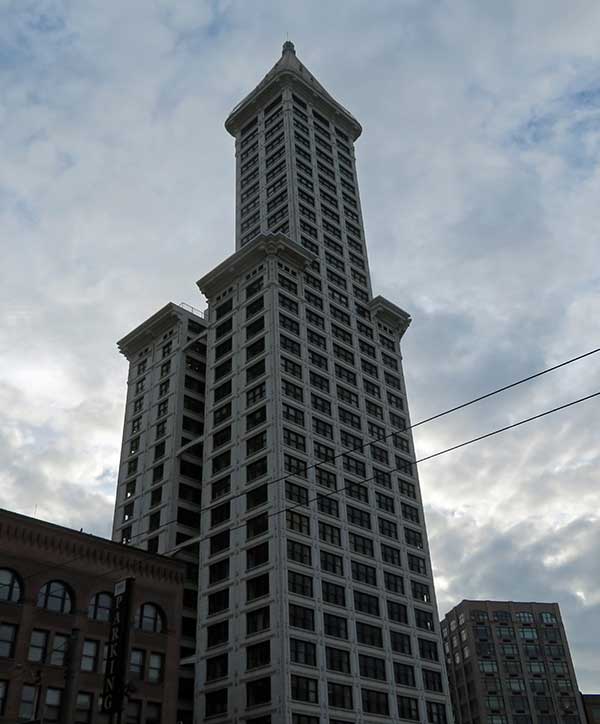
<point>479,178</point>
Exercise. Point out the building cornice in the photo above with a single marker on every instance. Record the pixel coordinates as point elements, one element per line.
<point>390,314</point>
<point>249,256</point>
<point>155,325</point>
<point>84,551</point>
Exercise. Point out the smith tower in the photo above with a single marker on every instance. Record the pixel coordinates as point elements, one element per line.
<point>316,596</point>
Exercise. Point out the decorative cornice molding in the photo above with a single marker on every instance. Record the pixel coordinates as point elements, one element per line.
<point>33,535</point>
<point>263,246</point>
<point>390,314</point>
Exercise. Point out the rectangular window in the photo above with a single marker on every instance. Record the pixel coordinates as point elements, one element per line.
<point>296,493</point>
<point>305,689</point>
<point>332,563</point>
<point>299,552</point>
<point>257,556</point>
<point>330,534</point>
<point>326,478</point>
<point>359,517</point>
<point>298,522</point>
<point>335,626</point>
<point>302,617</point>
<point>328,505</point>
<point>400,643</point>
<point>413,538</point>
<point>397,612</point>
<point>339,695</point>
<point>393,582</point>
<point>8,635</point>
<point>294,466</point>
<point>404,674</point>
<point>89,655</point>
<point>333,593</point>
<point>337,660</point>
<point>303,652</point>
<point>366,603</point>
<point>360,544</point>
<point>408,708</point>
<point>291,390</point>
<point>428,650</point>
<point>300,584</point>
<point>256,470</point>
<point>257,587</point>
<point>369,635</point>
<point>363,573</point>
<point>388,528</point>
<point>38,646</point>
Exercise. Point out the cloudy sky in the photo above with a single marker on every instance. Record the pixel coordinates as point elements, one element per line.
<point>480,181</point>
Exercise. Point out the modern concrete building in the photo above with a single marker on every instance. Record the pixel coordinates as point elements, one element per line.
<point>160,473</point>
<point>55,596</point>
<point>316,595</point>
<point>509,663</point>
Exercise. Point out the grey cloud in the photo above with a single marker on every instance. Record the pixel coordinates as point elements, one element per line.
<point>117,183</point>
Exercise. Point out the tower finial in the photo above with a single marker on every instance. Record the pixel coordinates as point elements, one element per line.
<point>288,47</point>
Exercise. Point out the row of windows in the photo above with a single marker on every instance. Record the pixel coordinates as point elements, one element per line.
<point>328,533</point>
<point>56,596</point>
<point>304,652</point>
<point>334,625</point>
<point>291,286</point>
<point>339,696</point>
<point>48,702</point>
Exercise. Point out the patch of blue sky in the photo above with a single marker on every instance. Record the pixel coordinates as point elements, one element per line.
<point>106,480</point>
<point>15,52</point>
<point>538,129</point>
<point>589,98</point>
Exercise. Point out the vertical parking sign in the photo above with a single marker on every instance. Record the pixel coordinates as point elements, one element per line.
<point>118,644</point>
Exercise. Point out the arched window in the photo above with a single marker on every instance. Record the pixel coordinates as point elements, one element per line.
<point>10,586</point>
<point>55,596</point>
<point>150,618</point>
<point>99,606</point>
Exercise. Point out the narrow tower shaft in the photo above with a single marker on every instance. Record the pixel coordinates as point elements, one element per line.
<point>316,593</point>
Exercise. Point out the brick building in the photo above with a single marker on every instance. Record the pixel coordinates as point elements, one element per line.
<point>509,663</point>
<point>591,706</point>
<point>55,598</point>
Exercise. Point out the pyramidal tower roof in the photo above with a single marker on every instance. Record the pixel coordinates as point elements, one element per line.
<point>289,70</point>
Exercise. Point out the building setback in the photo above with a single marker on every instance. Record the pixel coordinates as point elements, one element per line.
<point>160,473</point>
<point>316,595</point>
<point>278,458</point>
<point>509,663</point>
<point>55,595</point>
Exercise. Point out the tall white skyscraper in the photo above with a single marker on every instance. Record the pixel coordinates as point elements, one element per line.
<point>316,596</point>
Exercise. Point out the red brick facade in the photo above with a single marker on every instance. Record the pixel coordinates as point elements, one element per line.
<point>53,625</point>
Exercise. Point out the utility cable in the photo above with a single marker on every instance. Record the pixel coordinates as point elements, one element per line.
<point>362,446</point>
<point>374,440</point>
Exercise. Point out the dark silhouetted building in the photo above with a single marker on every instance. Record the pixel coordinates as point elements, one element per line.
<point>274,446</point>
<point>56,589</point>
<point>591,706</point>
<point>509,663</point>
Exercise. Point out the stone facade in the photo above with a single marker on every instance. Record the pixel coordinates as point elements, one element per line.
<point>316,593</point>
<point>160,472</point>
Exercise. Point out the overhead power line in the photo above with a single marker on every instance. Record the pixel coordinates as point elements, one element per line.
<point>394,432</point>
<point>360,448</point>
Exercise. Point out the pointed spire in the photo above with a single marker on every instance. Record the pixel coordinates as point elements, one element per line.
<point>289,69</point>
